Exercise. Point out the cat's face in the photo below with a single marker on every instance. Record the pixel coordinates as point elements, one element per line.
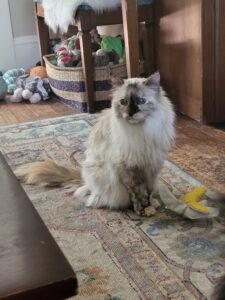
<point>136,99</point>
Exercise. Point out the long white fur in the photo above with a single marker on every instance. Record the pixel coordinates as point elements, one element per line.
<point>60,13</point>
<point>114,142</point>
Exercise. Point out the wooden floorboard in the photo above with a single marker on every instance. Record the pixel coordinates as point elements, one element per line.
<point>13,113</point>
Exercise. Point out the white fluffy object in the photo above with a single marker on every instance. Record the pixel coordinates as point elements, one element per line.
<point>60,13</point>
<point>17,96</point>
<point>26,94</point>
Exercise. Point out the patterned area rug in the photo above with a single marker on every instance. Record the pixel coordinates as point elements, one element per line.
<point>118,255</point>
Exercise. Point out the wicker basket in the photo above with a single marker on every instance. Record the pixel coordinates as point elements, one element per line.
<point>68,84</point>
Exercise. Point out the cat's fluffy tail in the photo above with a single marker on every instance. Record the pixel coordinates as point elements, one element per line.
<point>48,173</point>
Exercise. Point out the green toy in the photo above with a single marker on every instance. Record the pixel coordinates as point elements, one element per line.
<point>10,78</point>
<point>110,43</point>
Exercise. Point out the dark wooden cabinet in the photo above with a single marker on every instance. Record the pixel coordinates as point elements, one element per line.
<point>190,53</point>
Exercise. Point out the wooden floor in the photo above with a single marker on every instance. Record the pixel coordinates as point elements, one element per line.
<point>12,113</point>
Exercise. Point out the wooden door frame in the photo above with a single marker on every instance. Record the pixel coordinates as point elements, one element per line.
<point>213,73</point>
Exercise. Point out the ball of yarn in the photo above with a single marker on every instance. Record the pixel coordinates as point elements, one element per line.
<point>35,98</point>
<point>38,71</point>
<point>10,78</point>
<point>26,94</point>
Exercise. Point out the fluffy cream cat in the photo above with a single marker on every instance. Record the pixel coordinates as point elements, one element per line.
<point>125,151</point>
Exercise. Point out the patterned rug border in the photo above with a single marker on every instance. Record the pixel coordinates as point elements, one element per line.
<point>85,115</point>
<point>46,120</point>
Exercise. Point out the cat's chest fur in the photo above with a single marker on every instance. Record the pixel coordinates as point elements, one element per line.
<point>138,144</point>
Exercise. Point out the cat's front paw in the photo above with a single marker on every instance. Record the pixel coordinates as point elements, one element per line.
<point>149,211</point>
<point>146,212</point>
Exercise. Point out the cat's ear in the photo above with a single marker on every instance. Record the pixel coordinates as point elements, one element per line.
<point>153,81</point>
<point>116,81</point>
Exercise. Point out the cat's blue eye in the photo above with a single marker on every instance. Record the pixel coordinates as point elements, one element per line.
<point>140,101</point>
<point>123,101</point>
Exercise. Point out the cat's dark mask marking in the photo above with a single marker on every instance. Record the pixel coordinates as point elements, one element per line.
<point>131,96</point>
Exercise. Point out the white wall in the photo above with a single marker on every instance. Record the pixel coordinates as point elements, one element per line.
<point>26,51</point>
<point>22,17</point>
<point>7,54</point>
<point>18,35</point>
